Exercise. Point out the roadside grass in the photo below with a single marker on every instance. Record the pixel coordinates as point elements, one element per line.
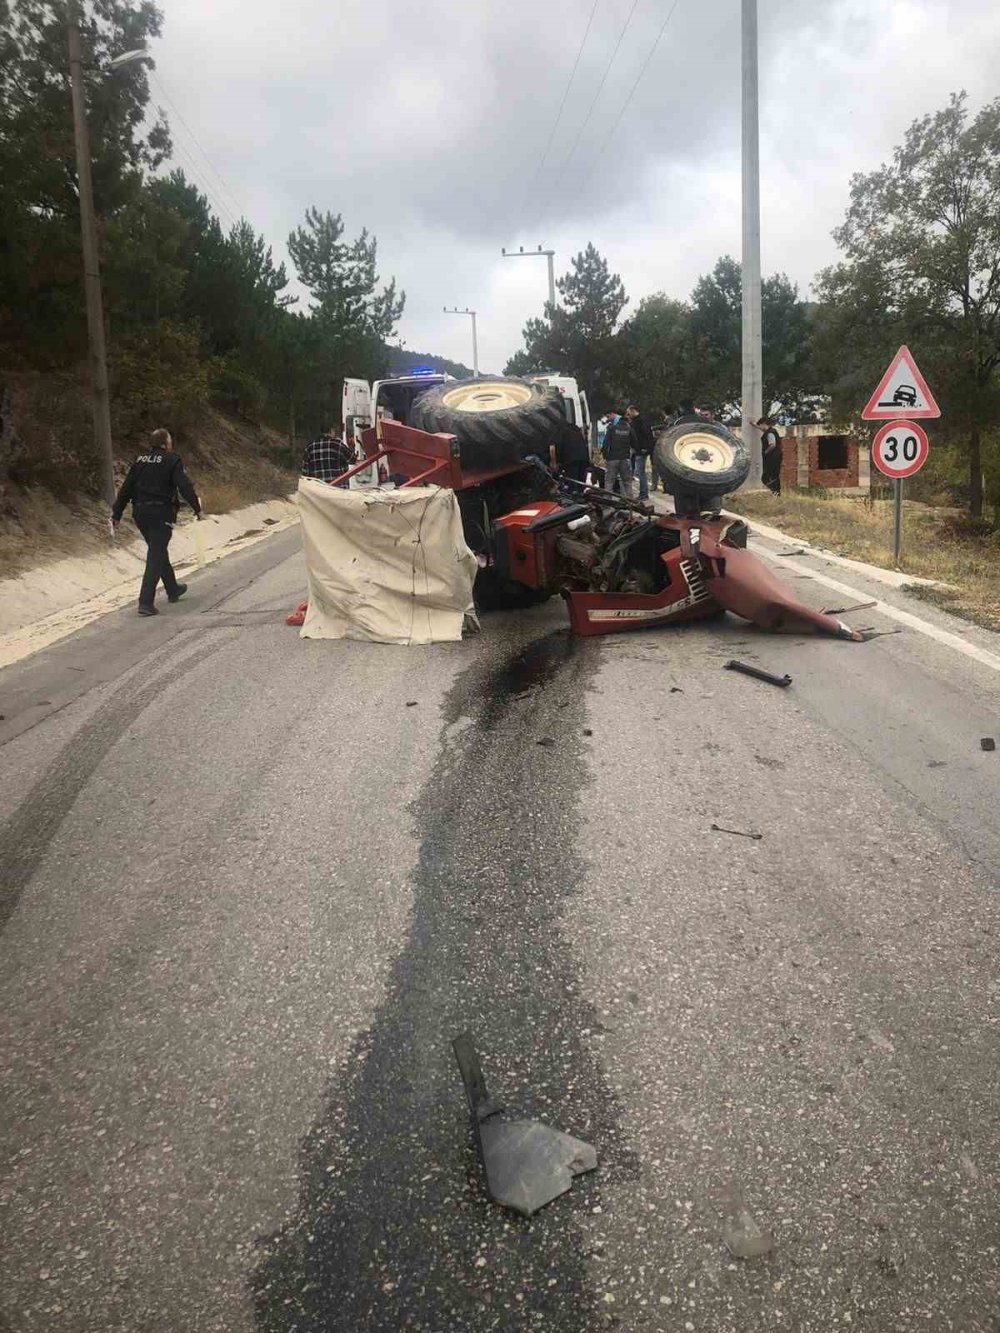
<point>935,546</point>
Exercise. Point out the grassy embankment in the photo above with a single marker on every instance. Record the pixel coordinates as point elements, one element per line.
<point>45,511</point>
<point>936,544</point>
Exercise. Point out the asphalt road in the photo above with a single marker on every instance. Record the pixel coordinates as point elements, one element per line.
<point>251,887</point>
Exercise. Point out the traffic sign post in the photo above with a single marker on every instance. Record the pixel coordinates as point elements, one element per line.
<point>900,448</point>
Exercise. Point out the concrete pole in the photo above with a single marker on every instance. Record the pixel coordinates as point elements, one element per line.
<point>550,255</point>
<point>752,357</point>
<point>475,342</point>
<point>91,267</point>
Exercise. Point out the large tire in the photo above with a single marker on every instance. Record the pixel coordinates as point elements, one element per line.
<point>496,420</point>
<point>700,456</point>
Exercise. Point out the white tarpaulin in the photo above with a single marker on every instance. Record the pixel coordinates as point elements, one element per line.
<point>391,566</point>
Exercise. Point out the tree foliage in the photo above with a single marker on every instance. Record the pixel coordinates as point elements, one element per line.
<point>670,350</point>
<point>194,312</point>
<point>921,243</point>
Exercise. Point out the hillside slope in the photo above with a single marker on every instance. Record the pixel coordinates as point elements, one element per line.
<point>48,508</point>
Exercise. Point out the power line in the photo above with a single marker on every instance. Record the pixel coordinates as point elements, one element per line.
<point>569,85</point>
<point>194,139</point>
<point>198,177</point>
<point>600,89</point>
<point>628,100</point>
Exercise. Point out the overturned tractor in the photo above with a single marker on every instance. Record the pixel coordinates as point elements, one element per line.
<point>618,566</point>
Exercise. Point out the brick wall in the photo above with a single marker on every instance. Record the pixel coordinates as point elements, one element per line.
<point>789,463</point>
<point>835,478</point>
<point>798,444</point>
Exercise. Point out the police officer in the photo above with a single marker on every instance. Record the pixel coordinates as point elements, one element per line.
<point>153,483</point>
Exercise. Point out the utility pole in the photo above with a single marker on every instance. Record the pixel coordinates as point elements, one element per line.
<point>521,253</point>
<point>475,345</point>
<point>752,357</point>
<point>91,266</point>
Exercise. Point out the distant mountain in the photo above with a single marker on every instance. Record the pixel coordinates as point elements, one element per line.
<point>403,362</point>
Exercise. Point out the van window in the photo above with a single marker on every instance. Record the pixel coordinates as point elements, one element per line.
<point>569,407</point>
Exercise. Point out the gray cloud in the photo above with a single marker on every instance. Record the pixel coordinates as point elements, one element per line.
<point>427,124</point>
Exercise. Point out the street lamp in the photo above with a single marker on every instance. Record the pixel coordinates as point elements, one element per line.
<point>475,345</point>
<point>521,253</point>
<point>91,263</point>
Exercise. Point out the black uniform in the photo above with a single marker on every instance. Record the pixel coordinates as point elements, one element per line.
<point>152,485</point>
<point>771,450</point>
<point>572,453</point>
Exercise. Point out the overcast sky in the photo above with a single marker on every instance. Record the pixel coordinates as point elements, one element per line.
<point>429,123</point>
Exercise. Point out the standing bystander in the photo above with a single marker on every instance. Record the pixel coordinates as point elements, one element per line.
<point>618,441</point>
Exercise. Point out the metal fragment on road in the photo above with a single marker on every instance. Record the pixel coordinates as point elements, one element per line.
<point>526,1164</point>
<point>987,743</point>
<point>717,828</point>
<point>843,610</point>
<point>758,673</point>
<point>744,1238</point>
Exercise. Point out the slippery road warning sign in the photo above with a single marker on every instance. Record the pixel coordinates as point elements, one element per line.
<point>902,392</point>
<point>900,449</point>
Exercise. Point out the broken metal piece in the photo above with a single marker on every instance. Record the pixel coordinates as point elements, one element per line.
<point>758,673</point>
<point>745,1238</point>
<point>526,1164</point>
<point>843,610</point>
<point>801,550</point>
<point>870,632</point>
<point>717,828</point>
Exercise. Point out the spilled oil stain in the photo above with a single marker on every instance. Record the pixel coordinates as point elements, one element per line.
<point>393,1231</point>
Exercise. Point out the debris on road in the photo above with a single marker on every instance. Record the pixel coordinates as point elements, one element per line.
<point>758,673</point>
<point>526,1164</point>
<point>987,743</point>
<point>676,689</point>
<point>587,731</point>
<point>870,632</point>
<point>782,554</point>
<point>411,703</point>
<point>843,610</point>
<point>717,828</point>
<point>744,1238</point>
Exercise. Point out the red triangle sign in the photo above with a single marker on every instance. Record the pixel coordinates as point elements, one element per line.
<point>902,393</point>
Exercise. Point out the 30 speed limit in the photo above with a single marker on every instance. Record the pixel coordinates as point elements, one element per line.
<point>900,449</point>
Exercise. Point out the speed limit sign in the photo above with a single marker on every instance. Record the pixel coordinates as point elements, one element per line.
<point>900,449</point>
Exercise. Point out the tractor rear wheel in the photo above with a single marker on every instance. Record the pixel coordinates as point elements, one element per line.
<point>497,420</point>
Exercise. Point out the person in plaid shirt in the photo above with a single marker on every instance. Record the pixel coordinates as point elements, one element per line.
<point>327,458</point>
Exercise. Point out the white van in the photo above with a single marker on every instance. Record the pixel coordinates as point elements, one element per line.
<point>575,403</point>
<point>366,404</point>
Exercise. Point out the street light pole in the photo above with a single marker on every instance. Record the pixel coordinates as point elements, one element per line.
<point>752,393</point>
<point>521,253</point>
<point>475,343</point>
<point>91,266</point>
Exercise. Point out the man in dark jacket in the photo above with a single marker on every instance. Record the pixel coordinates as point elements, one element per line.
<point>770,447</point>
<point>618,442</point>
<point>642,447</point>
<point>569,453</point>
<point>154,483</point>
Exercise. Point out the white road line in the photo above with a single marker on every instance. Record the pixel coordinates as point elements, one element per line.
<point>941,636</point>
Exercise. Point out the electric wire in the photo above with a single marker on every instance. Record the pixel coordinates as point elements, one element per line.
<point>566,90</point>
<point>597,95</point>
<point>240,210</point>
<point>628,100</point>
